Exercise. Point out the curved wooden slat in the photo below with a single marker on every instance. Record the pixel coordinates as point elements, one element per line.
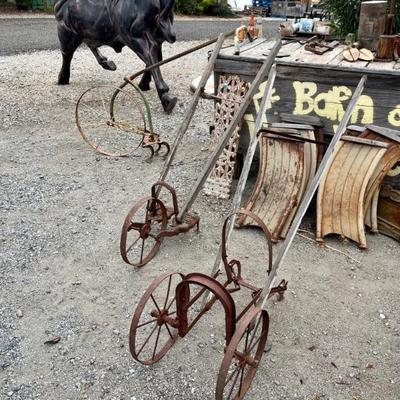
<point>387,162</point>
<point>371,214</point>
<point>310,167</point>
<point>340,201</point>
<point>278,183</point>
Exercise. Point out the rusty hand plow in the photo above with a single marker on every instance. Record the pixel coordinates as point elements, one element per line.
<point>116,122</point>
<point>170,308</point>
<point>150,220</point>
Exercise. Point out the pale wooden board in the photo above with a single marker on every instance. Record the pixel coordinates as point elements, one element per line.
<point>382,66</point>
<point>295,52</point>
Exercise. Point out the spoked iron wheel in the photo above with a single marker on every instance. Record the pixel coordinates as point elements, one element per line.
<point>243,356</point>
<point>139,237</point>
<point>154,329</point>
<point>118,135</point>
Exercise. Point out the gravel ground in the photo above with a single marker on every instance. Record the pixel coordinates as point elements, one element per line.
<point>336,335</point>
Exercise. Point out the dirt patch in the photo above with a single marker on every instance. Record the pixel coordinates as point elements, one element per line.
<point>336,335</point>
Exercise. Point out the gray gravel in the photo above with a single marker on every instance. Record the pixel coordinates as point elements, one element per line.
<point>61,210</point>
<point>29,34</point>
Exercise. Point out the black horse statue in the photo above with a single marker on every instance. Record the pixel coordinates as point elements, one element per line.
<point>142,25</point>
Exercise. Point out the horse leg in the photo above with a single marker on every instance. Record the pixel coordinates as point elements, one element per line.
<point>147,50</point>
<point>144,83</point>
<point>168,101</point>
<point>103,61</point>
<point>69,42</point>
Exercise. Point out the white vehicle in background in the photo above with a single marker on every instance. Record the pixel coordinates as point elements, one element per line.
<point>238,5</point>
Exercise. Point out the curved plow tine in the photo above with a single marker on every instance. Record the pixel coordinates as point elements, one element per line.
<point>149,147</point>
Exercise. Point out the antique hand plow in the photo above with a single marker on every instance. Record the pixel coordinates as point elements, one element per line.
<point>116,122</point>
<point>150,220</point>
<point>167,310</point>
<point>170,309</point>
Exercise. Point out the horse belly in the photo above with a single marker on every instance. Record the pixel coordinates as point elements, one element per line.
<point>91,21</point>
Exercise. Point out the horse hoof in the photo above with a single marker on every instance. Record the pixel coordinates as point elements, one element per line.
<point>144,86</point>
<point>109,65</point>
<point>63,80</point>
<point>168,102</point>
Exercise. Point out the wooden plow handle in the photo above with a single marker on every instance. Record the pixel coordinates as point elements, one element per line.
<point>192,108</point>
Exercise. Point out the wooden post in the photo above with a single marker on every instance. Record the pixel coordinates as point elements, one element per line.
<point>386,47</point>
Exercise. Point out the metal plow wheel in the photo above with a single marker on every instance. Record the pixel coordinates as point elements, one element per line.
<point>118,134</point>
<point>140,236</point>
<point>243,356</point>
<point>154,327</point>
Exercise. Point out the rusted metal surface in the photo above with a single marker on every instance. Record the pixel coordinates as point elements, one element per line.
<point>123,133</point>
<point>111,136</point>
<point>154,312</point>
<point>389,212</point>
<point>113,133</point>
<point>243,355</point>
<point>231,92</point>
<point>170,309</point>
<point>149,222</point>
<point>279,182</point>
<point>340,202</point>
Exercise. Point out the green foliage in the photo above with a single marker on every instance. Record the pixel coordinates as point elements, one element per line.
<point>344,15</point>
<point>208,7</point>
<point>186,6</point>
<point>24,4</point>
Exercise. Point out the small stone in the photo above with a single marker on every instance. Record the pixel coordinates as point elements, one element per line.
<point>382,316</point>
<point>19,313</point>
